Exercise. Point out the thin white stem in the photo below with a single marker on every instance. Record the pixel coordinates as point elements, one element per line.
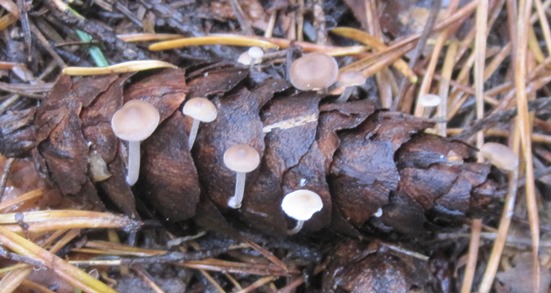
<point>235,201</point>
<point>297,228</point>
<point>193,133</point>
<point>133,162</point>
<point>253,62</point>
<point>345,95</point>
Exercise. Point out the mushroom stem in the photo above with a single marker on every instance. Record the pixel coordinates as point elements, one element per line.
<point>297,228</point>
<point>345,95</point>
<point>193,132</point>
<point>235,201</point>
<point>133,162</point>
<point>252,64</point>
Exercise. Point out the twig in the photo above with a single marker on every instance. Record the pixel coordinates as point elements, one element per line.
<point>501,116</point>
<point>174,257</point>
<point>25,25</point>
<point>479,64</point>
<point>5,175</point>
<point>470,268</point>
<point>146,278</point>
<point>523,21</point>
<point>243,23</point>
<point>499,243</point>
<point>435,8</point>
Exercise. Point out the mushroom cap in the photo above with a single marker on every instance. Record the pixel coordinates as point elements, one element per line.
<point>135,120</point>
<point>301,204</point>
<point>255,52</point>
<point>500,156</point>
<point>201,109</point>
<point>241,158</point>
<point>313,71</point>
<point>351,78</point>
<point>430,100</point>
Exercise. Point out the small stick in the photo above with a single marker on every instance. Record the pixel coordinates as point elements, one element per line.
<point>501,237</point>
<point>480,61</point>
<point>245,26</point>
<point>447,71</point>
<point>5,175</point>
<point>476,227</point>
<point>436,4</point>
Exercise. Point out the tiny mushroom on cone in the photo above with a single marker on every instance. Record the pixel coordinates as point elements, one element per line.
<point>426,102</point>
<point>251,57</point>
<point>201,110</point>
<point>349,80</point>
<point>256,54</point>
<point>134,122</point>
<point>500,156</point>
<point>241,159</point>
<point>301,205</point>
<point>313,71</point>
<point>430,100</point>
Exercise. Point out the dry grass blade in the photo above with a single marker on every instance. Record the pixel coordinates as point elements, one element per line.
<point>130,66</point>
<point>267,254</point>
<point>311,47</point>
<point>501,238</point>
<point>259,283</point>
<point>41,221</point>
<point>67,272</point>
<point>443,92</point>
<point>147,37</point>
<point>435,56</point>
<point>480,60</point>
<point>33,194</point>
<point>373,64</point>
<point>470,268</point>
<point>110,248</point>
<point>14,278</point>
<point>367,39</point>
<point>231,40</point>
<point>525,130</point>
<point>218,265</point>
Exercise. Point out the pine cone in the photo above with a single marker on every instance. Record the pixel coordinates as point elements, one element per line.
<point>361,161</point>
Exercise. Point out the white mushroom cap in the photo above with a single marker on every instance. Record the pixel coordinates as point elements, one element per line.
<point>500,156</point>
<point>430,100</point>
<point>201,109</point>
<point>241,158</point>
<point>301,204</point>
<point>351,78</point>
<point>135,120</point>
<point>255,52</point>
<point>245,59</point>
<point>347,79</point>
<point>313,71</point>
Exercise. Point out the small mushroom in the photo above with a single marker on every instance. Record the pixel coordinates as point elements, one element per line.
<point>134,122</point>
<point>241,159</point>
<point>426,102</point>
<point>500,156</point>
<point>201,110</point>
<point>251,57</point>
<point>256,54</point>
<point>301,205</point>
<point>349,80</point>
<point>313,72</point>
